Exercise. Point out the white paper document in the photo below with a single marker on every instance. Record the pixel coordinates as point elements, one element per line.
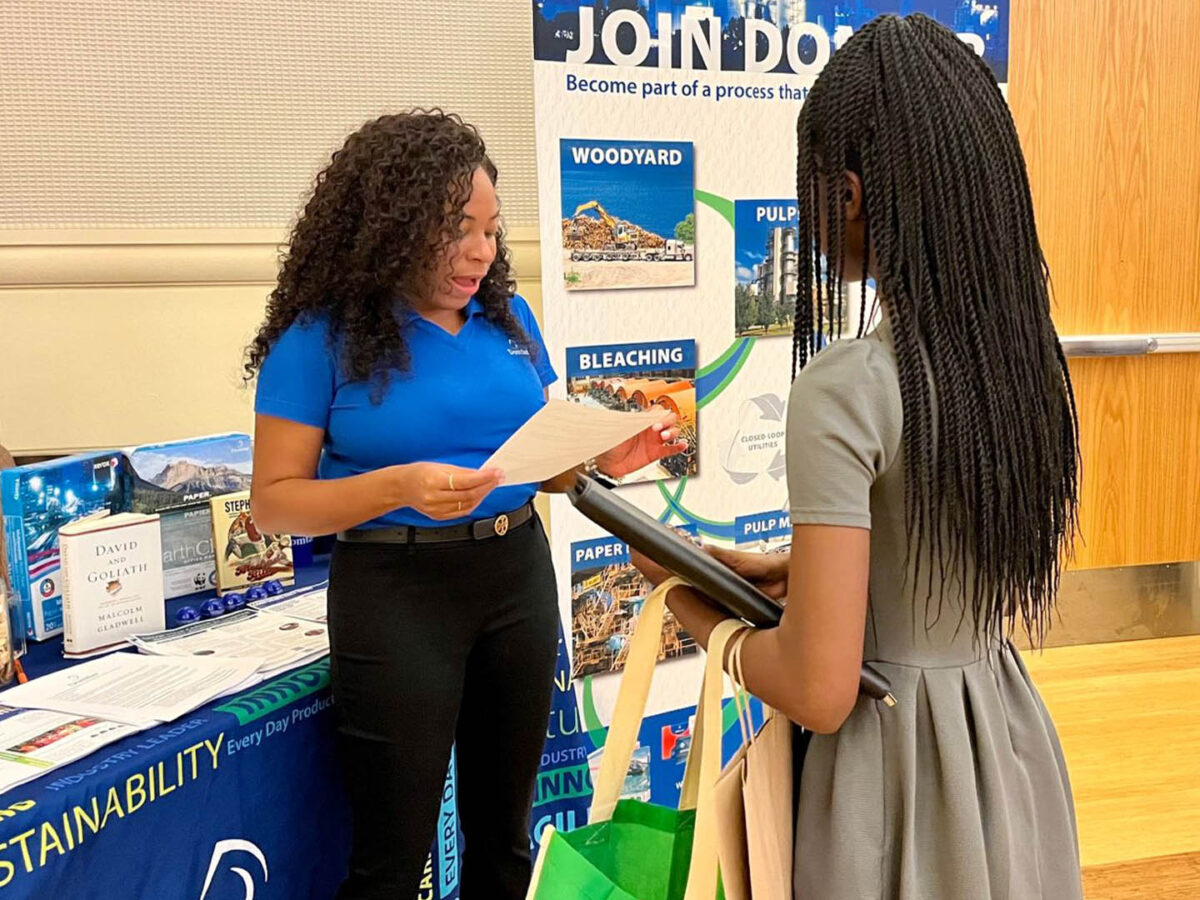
<point>309,605</point>
<point>135,689</point>
<point>276,642</point>
<point>34,741</point>
<point>561,435</point>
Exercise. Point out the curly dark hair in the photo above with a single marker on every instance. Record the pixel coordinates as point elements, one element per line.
<point>990,434</point>
<point>370,239</point>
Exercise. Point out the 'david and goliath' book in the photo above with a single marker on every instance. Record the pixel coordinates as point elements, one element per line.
<point>112,581</point>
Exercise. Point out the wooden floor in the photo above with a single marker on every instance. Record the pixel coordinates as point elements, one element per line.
<point>1128,715</point>
<point>1162,878</point>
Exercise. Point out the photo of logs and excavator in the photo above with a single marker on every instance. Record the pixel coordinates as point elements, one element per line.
<point>601,251</point>
<point>672,390</point>
<point>628,214</point>
<point>605,605</point>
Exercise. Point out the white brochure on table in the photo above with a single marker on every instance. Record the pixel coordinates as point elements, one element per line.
<point>310,605</point>
<point>135,689</point>
<point>276,642</point>
<point>36,741</point>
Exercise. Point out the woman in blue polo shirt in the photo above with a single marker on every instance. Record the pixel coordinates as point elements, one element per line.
<point>394,360</point>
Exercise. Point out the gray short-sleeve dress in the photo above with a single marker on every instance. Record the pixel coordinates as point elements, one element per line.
<point>960,792</point>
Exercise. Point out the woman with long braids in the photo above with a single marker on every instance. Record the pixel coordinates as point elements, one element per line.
<point>932,471</point>
<point>394,360</point>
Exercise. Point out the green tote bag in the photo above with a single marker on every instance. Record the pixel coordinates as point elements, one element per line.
<point>632,850</point>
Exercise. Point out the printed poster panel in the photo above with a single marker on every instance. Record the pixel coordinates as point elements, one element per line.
<point>635,105</point>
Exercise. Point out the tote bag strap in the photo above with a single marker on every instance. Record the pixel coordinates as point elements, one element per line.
<point>689,793</point>
<point>741,697</point>
<point>706,746</point>
<point>631,703</point>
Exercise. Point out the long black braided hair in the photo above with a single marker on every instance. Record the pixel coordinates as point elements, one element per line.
<point>371,236</point>
<point>991,464</point>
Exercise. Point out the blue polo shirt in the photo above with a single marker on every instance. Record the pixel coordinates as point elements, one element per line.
<point>462,397</point>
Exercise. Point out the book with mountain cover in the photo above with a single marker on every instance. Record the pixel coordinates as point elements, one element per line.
<point>176,480</point>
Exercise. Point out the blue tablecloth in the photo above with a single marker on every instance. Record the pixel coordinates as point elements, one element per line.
<point>244,798</point>
<point>241,798</point>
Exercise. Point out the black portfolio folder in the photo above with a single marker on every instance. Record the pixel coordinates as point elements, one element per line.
<point>679,556</point>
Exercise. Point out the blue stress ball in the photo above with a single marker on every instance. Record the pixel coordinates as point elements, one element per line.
<point>234,601</point>
<point>212,608</point>
<point>272,587</point>
<point>257,592</point>
<point>187,614</point>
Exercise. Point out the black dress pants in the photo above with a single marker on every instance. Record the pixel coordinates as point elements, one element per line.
<point>434,645</point>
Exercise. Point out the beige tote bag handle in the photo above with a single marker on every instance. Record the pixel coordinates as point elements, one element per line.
<point>706,743</point>
<point>689,793</point>
<point>631,703</point>
<point>704,757</point>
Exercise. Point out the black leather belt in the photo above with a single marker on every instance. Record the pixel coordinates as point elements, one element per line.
<point>479,530</point>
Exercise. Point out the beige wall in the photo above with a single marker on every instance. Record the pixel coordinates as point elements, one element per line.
<point>168,114</point>
<point>117,337</point>
<point>170,145</point>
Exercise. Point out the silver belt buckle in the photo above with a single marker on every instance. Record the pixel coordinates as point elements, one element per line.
<point>500,525</point>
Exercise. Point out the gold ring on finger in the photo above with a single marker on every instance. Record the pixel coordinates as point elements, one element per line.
<point>451,477</point>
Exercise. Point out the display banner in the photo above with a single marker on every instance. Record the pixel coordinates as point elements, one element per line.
<point>240,799</point>
<point>237,799</point>
<point>666,164</point>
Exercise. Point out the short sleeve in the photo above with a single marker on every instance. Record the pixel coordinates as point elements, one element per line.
<point>297,379</point>
<point>844,421</point>
<point>541,363</point>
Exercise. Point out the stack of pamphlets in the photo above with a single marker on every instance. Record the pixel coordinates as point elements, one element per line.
<point>134,689</point>
<point>276,641</point>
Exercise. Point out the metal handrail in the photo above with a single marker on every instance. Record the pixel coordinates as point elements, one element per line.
<point>1085,345</point>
